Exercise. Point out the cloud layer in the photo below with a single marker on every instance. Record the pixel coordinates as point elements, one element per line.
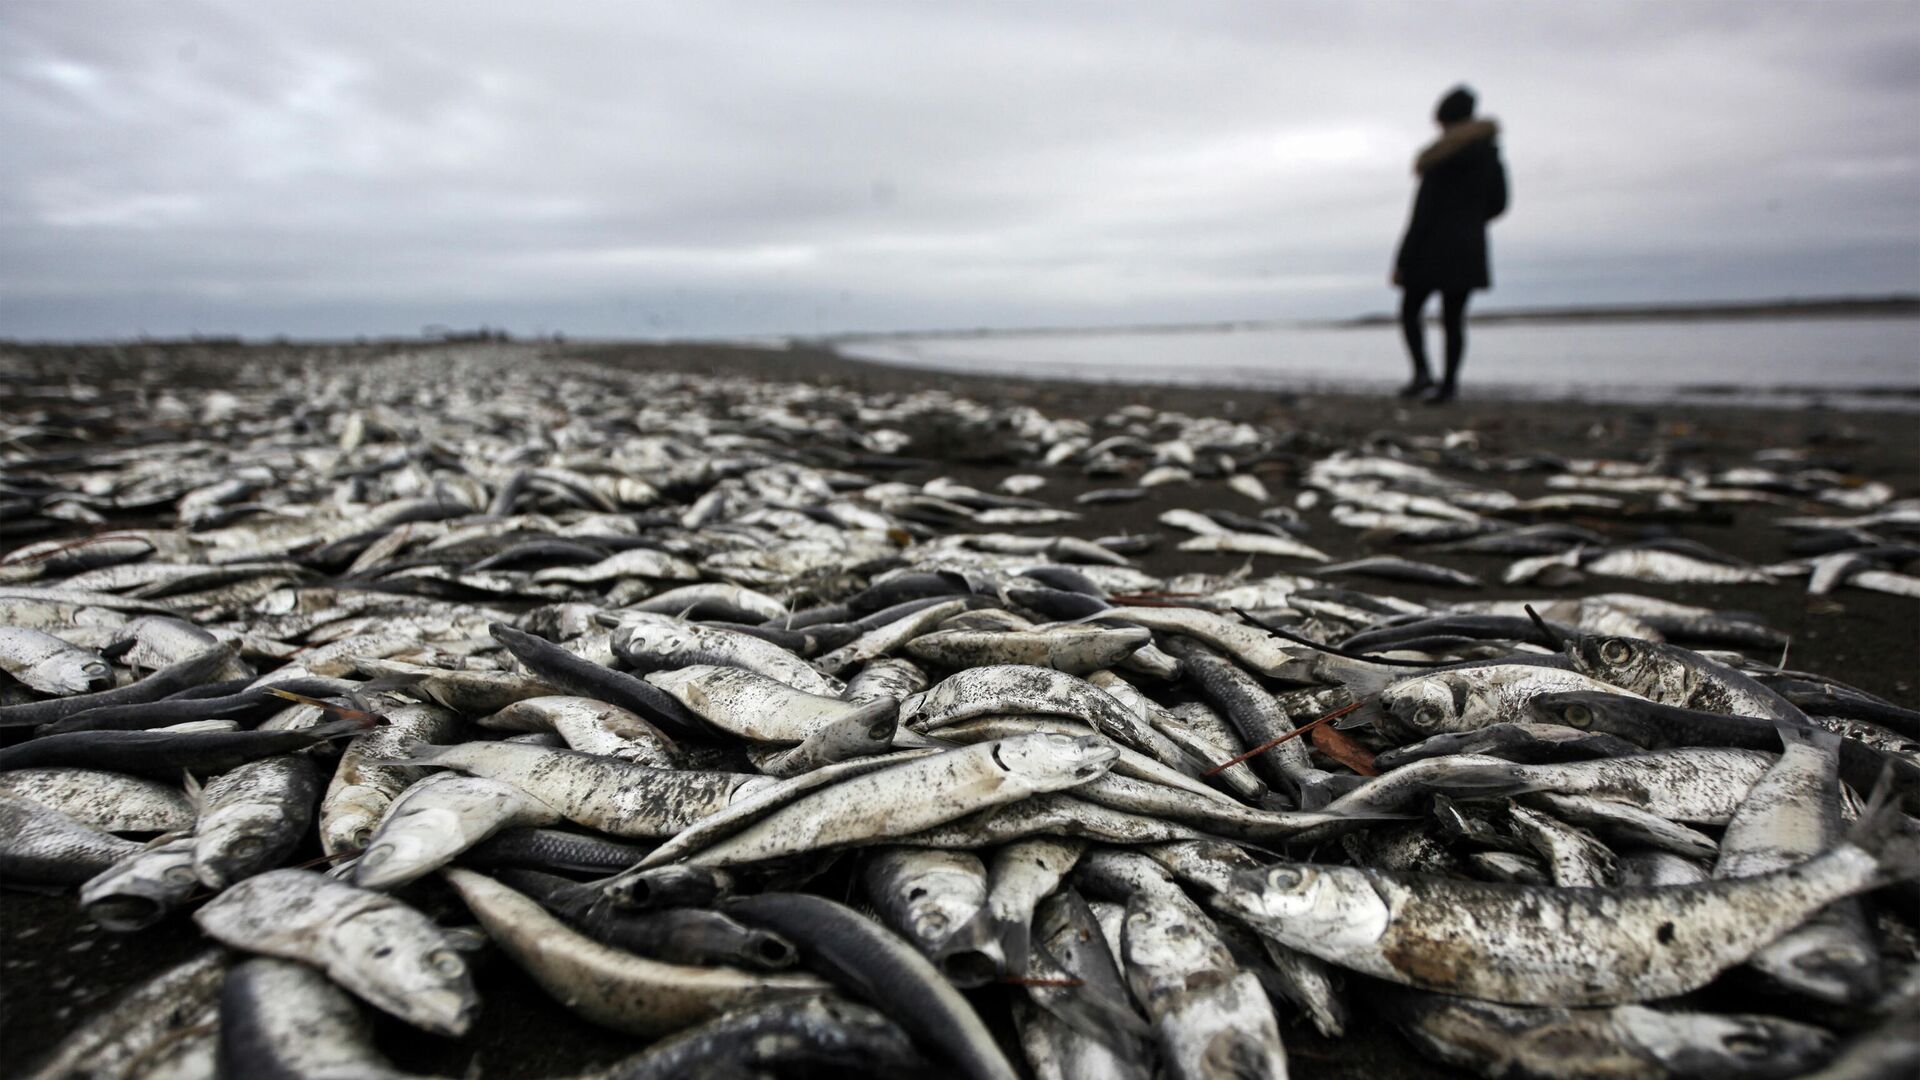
<point>719,168</point>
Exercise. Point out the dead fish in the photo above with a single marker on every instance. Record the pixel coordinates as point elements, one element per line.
<point>902,800</point>
<point>1076,650</point>
<point>1625,1041</point>
<point>609,986</point>
<point>386,953</point>
<point>50,665</point>
<point>279,1018</point>
<point>937,900</point>
<point>39,846</point>
<point>108,801</point>
<point>1535,946</point>
<point>877,966</point>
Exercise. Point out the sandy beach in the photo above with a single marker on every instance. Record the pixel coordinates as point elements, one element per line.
<point>55,970</point>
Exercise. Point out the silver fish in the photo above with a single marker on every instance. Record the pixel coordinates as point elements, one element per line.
<point>50,665</point>
<point>386,953</point>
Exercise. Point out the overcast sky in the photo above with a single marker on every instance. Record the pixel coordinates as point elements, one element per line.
<point>716,168</point>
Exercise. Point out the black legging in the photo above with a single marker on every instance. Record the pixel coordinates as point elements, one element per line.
<point>1453,316</point>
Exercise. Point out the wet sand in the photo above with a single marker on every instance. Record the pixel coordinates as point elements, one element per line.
<point>56,970</point>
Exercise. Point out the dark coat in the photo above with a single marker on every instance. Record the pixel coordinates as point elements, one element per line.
<point>1462,187</point>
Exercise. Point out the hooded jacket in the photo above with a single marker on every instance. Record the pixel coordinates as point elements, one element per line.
<point>1463,186</point>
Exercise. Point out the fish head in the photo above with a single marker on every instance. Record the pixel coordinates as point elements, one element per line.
<point>1592,711</point>
<point>226,851</point>
<point>408,845</point>
<point>1048,762</point>
<point>1635,664</point>
<point>857,734</point>
<point>139,891</point>
<point>1427,705</point>
<point>1299,903</point>
<point>349,817</point>
<point>943,903</point>
<point>76,675</point>
<point>1825,961</point>
<point>1704,1044</point>
<point>395,958</point>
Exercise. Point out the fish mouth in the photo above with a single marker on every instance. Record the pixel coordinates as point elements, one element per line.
<point>448,1012</point>
<point>1097,751</point>
<point>969,968</point>
<point>771,952</point>
<point>126,912</point>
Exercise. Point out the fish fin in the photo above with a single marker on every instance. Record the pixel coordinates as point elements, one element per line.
<point>1554,637</point>
<point>1016,942</point>
<point>466,939</point>
<point>1369,713</point>
<point>1483,781</point>
<point>358,716</point>
<point>1320,789</point>
<point>1792,735</point>
<point>114,650</point>
<point>194,794</point>
<point>411,751</point>
<point>343,729</point>
<point>396,681</point>
<point>1883,832</point>
<point>1086,1009</point>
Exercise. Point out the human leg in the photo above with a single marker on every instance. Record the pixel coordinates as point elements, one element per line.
<point>1412,300</point>
<point>1453,319</point>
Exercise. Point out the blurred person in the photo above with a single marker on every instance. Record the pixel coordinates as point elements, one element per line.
<point>1463,186</point>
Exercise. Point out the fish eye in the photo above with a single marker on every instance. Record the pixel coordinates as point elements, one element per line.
<point>446,964</point>
<point>180,875</point>
<point>1286,877</point>
<point>1428,715</point>
<point>1615,651</point>
<point>1579,715</point>
<point>248,846</point>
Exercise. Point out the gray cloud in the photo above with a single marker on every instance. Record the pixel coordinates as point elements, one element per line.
<point>744,168</point>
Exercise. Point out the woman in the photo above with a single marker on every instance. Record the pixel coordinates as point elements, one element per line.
<point>1462,187</point>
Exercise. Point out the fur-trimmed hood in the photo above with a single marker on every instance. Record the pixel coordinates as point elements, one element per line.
<point>1455,139</point>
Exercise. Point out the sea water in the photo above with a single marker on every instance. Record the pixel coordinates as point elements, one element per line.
<point>1852,362</point>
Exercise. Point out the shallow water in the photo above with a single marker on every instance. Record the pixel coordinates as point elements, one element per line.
<point>1841,362</point>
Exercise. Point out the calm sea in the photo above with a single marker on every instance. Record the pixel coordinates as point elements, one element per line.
<point>1840,362</point>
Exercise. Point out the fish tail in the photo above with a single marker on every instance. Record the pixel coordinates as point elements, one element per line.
<point>881,718</point>
<point>1792,735</point>
<point>1884,833</point>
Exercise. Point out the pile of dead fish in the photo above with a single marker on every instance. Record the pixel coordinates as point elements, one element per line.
<point>661,688</point>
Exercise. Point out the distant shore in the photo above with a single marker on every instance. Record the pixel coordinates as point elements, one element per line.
<point>1895,305</point>
<point>1842,307</point>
